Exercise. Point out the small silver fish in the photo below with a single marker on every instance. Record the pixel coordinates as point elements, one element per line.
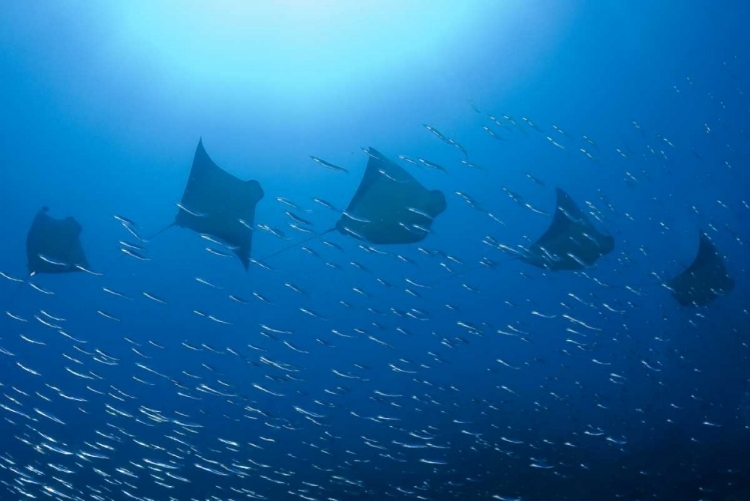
<point>328,165</point>
<point>325,204</point>
<point>192,213</point>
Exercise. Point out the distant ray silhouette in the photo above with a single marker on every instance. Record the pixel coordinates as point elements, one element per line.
<point>704,280</point>
<point>571,242</point>
<point>54,245</point>
<point>220,205</point>
<point>390,205</point>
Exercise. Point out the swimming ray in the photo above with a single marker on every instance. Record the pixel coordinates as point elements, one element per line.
<point>54,245</point>
<point>706,278</point>
<point>571,242</point>
<point>220,205</point>
<point>390,205</point>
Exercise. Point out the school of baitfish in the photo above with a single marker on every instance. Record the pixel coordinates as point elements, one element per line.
<point>236,410</point>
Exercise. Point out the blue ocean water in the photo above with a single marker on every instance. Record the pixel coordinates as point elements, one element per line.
<point>446,368</point>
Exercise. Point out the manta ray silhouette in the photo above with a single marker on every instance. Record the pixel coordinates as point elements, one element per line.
<point>220,205</point>
<point>704,280</point>
<point>390,206</point>
<point>571,242</point>
<point>54,245</point>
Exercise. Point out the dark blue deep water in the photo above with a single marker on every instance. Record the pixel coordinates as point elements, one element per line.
<point>461,365</point>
